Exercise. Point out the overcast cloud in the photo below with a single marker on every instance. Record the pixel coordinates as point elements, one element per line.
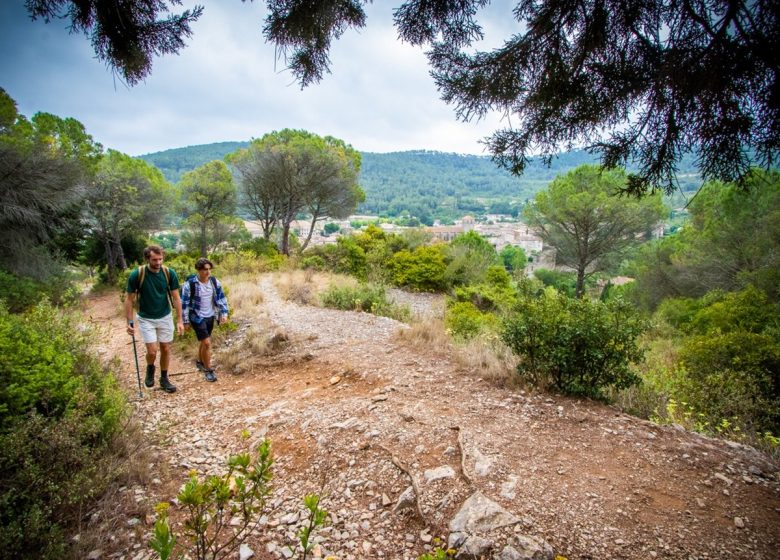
<point>225,85</point>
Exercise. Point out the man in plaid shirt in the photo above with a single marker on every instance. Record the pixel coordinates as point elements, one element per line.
<point>202,302</point>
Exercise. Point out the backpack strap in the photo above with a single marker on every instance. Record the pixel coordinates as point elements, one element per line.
<point>142,276</point>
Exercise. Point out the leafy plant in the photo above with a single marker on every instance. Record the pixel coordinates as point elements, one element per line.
<point>364,297</point>
<point>222,509</point>
<point>579,346</point>
<point>316,519</point>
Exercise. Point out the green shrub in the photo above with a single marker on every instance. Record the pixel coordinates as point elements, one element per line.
<point>495,294</point>
<point>466,321</point>
<point>422,269</point>
<point>579,346</point>
<point>21,293</point>
<point>51,471</point>
<point>59,409</point>
<point>48,369</point>
<point>364,297</point>
<point>314,262</point>
<point>469,256</point>
<point>564,282</point>
<point>733,376</point>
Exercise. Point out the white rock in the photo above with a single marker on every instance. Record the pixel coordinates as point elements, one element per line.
<point>244,552</point>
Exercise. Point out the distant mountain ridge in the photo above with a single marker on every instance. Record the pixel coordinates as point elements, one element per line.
<point>421,183</point>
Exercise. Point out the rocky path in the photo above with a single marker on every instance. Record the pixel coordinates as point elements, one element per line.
<point>404,447</point>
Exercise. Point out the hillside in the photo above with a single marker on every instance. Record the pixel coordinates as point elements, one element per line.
<point>421,183</point>
<point>405,444</point>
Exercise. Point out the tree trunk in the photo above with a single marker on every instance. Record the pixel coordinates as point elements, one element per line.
<point>311,231</point>
<point>203,247</point>
<point>578,293</point>
<point>109,260</point>
<point>286,239</point>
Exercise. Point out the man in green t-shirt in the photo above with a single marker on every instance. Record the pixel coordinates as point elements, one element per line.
<point>157,287</point>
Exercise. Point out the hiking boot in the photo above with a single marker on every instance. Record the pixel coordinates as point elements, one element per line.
<point>149,379</point>
<point>200,366</point>
<point>166,385</point>
<point>210,375</point>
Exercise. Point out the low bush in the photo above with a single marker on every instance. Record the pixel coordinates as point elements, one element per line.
<point>580,347</point>
<point>364,297</point>
<point>48,368</point>
<point>734,376</point>
<point>21,293</point>
<point>59,411</point>
<point>51,472</point>
<point>465,320</point>
<point>422,269</point>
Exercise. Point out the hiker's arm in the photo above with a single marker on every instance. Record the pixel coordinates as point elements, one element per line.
<point>222,305</point>
<point>185,303</point>
<point>129,299</point>
<point>177,305</point>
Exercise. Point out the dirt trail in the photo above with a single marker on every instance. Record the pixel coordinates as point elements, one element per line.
<point>358,418</point>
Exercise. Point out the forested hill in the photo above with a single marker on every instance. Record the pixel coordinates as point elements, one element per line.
<point>422,183</point>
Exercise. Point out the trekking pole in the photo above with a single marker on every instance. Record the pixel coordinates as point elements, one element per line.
<point>137,371</point>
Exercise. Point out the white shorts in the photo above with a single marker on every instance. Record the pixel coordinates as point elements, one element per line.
<point>156,330</point>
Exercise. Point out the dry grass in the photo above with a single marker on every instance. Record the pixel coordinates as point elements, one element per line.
<point>260,339</point>
<point>130,461</point>
<point>305,286</point>
<point>245,296</point>
<point>490,359</point>
<point>428,334</point>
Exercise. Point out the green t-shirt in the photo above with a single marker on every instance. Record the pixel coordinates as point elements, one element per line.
<point>154,293</point>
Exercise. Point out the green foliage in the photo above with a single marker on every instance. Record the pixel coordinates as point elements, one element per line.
<point>48,369</point>
<point>564,282</point>
<point>579,346</point>
<point>438,553</point>
<point>51,472</point>
<point>127,197</point>
<point>582,215</point>
<point>261,247</point>
<point>239,495</point>
<point>465,320</point>
<point>346,256</point>
<point>421,269</point>
<point>514,258</point>
<point>20,293</point>
<point>732,240</point>
<point>331,227</point>
<point>363,297</point>
<point>469,256</point>
<point>316,519</point>
<point>208,199</point>
<point>59,409</point>
<point>163,540</point>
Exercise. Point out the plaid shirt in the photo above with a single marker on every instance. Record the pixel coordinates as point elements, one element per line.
<point>190,302</point>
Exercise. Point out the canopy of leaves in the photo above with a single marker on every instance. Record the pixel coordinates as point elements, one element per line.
<point>125,35</point>
<point>731,240</point>
<point>44,164</point>
<point>291,171</point>
<point>635,81</point>
<point>126,196</point>
<point>208,198</point>
<point>583,216</point>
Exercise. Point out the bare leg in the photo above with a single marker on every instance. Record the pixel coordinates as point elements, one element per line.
<point>204,352</point>
<point>165,355</point>
<point>151,353</point>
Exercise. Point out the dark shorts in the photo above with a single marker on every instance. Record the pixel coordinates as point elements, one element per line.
<point>204,328</point>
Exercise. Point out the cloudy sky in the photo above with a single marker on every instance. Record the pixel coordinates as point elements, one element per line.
<point>226,85</point>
